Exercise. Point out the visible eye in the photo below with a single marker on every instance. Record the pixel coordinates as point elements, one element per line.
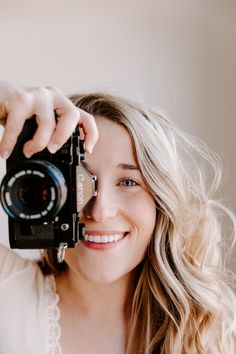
<point>128,182</point>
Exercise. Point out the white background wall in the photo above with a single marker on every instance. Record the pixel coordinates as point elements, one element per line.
<point>180,55</point>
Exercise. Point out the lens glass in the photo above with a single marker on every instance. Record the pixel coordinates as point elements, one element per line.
<point>33,193</point>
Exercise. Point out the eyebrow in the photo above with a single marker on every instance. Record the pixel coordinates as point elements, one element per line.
<point>126,166</point>
<point>123,166</point>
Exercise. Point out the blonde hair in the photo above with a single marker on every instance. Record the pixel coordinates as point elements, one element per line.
<point>182,300</point>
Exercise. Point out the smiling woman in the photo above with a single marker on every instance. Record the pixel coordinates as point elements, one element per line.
<point>153,229</point>
<point>149,275</point>
<point>116,214</point>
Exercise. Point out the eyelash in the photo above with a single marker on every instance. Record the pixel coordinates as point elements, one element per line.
<point>135,184</point>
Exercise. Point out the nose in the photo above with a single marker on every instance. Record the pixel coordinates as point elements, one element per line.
<point>102,207</point>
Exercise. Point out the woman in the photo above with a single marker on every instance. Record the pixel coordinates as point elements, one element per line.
<point>149,277</point>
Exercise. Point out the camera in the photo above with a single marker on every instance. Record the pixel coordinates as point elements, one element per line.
<point>43,195</point>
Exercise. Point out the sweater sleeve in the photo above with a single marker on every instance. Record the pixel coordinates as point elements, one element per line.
<point>11,263</point>
<point>23,305</point>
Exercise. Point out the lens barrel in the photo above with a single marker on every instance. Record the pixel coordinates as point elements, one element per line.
<point>34,191</point>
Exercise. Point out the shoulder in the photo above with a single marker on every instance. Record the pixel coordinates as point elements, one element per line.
<point>27,304</point>
<point>22,285</point>
<point>12,264</point>
<point>21,277</point>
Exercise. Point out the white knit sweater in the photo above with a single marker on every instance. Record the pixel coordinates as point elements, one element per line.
<point>28,307</point>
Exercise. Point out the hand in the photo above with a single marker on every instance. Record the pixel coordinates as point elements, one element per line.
<point>18,103</point>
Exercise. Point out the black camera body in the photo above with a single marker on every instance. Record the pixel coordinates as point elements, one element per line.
<point>44,195</point>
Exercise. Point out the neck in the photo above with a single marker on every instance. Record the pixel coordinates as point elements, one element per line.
<point>92,299</point>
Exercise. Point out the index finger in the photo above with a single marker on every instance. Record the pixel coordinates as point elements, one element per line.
<point>89,126</point>
<point>69,117</point>
<point>14,125</point>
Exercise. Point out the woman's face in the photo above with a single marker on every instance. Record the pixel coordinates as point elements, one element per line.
<point>120,220</point>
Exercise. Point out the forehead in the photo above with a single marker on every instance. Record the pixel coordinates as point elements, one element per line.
<point>114,145</point>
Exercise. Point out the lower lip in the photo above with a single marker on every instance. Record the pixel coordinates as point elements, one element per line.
<point>102,246</point>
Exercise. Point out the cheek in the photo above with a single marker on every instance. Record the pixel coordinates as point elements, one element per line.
<point>141,211</point>
<point>143,208</point>
<point>142,217</point>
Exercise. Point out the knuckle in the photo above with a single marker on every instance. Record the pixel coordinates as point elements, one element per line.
<point>42,91</point>
<point>91,117</point>
<point>41,94</point>
<point>86,115</point>
<point>54,90</point>
<point>23,97</point>
<point>74,113</point>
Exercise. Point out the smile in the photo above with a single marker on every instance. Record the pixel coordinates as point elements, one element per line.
<point>103,238</point>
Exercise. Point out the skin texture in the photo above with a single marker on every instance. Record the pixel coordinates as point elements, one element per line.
<point>94,289</point>
<point>122,205</point>
<point>18,103</point>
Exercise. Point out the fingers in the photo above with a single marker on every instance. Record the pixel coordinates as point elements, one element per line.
<point>22,103</point>
<point>88,124</point>
<point>46,126</point>
<point>67,124</point>
<point>11,132</point>
<point>69,116</point>
<point>45,118</point>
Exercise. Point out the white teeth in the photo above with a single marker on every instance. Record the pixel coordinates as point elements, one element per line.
<point>103,239</point>
<point>97,239</point>
<point>111,238</point>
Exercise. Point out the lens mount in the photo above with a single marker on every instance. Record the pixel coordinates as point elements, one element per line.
<point>33,191</point>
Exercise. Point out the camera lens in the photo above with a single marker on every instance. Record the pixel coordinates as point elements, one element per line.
<point>35,190</point>
<point>33,193</point>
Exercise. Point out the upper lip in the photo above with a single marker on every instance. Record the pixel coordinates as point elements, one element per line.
<point>104,232</point>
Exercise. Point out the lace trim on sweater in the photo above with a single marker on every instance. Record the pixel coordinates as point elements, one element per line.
<point>54,330</point>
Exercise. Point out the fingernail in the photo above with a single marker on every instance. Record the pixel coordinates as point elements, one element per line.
<point>5,154</point>
<point>89,148</point>
<point>53,148</point>
<point>28,154</point>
